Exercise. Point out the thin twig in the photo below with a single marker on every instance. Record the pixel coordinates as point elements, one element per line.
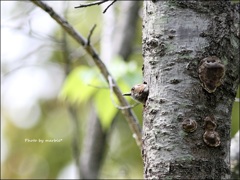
<point>111,85</point>
<point>109,6</point>
<point>98,87</point>
<point>128,113</point>
<point>90,34</point>
<point>96,3</point>
<point>91,4</point>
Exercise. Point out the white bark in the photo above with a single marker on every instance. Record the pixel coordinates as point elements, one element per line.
<point>176,37</point>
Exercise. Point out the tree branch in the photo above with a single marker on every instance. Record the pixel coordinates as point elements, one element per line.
<point>91,4</point>
<point>109,6</point>
<point>96,3</point>
<point>90,34</point>
<point>129,114</point>
<point>111,85</point>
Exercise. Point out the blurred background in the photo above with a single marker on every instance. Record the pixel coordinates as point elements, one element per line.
<point>56,106</point>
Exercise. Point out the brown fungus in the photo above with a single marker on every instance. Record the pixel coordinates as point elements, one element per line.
<point>211,73</point>
<point>189,125</point>
<point>209,124</point>
<point>211,137</point>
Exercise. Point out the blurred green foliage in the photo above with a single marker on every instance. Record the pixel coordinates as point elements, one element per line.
<point>38,159</point>
<point>86,83</point>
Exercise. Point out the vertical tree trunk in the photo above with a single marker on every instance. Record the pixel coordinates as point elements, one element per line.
<point>93,148</point>
<point>191,62</point>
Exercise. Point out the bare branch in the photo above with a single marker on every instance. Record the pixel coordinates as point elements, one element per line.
<point>109,6</point>
<point>98,87</point>
<point>97,3</point>
<point>128,113</point>
<point>90,34</point>
<point>91,4</point>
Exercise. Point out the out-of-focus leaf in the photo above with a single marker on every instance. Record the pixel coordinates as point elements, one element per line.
<point>119,68</point>
<point>79,85</point>
<point>105,108</point>
<point>127,74</point>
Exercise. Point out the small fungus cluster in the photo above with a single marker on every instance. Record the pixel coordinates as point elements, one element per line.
<point>211,137</point>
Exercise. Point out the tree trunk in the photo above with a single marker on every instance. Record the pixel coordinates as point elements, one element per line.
<point>191,63</point>
<point>93,148</point>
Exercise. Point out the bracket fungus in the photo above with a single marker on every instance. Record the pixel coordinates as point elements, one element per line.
<point>211,73</point>
<point>211,137</point>
<point>189,125</point>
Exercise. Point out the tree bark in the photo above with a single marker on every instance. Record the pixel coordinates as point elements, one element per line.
<point>186,130</point>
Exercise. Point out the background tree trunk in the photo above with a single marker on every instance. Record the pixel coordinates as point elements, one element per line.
<point>114,35</point>
<point>93,148</point>
<point>177,35</point>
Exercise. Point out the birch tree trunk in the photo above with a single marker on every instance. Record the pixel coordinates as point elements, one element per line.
<point>191,63</point>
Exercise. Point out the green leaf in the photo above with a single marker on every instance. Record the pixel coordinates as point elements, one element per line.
<point>79,85</point>
<point>105,109</point>
<point>118,67</point>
